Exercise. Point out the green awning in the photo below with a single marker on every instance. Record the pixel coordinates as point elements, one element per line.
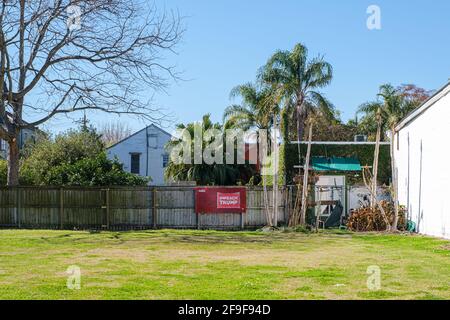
<point>335,164</point>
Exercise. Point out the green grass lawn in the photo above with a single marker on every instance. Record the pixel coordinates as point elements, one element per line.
<point>221,265</point>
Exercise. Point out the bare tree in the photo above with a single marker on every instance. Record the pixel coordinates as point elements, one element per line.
<point>63,56</point>
<point>113,132</point>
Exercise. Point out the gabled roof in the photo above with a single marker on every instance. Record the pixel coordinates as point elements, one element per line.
<point>424,107</point>
<point>137,132</point>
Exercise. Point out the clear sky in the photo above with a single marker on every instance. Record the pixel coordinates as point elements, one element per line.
<point>226,41</point>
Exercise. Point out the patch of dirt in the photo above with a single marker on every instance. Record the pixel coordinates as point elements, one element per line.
<point>259,256</point>
<point>102,254</point>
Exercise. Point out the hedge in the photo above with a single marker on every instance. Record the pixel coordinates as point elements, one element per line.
<point>365,154</point>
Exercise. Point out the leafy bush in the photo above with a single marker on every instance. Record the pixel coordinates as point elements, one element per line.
<point>3,172</point>
<point>92,171</point>
<point>74,158</point>
<point>47,154</point>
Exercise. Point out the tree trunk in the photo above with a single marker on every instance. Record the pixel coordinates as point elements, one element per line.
<point>295,218</point>
<point>300,123</point>
<point>305,180</point>
<point>266,202</point>
<point>263,159</point>
<point>375,166</point>
<point>13,162</point>
<point>394,182</point>
<point>286,141</point>
<point>318,209</point>
<point>275,173</point>
<point>368,185</point>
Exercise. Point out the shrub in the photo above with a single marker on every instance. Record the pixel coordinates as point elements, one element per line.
<point>3,172</point>
<point>73,158</point>
<point>366,219</point>
<point>93,171</point>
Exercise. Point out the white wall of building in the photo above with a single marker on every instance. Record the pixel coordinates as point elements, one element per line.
<point>422,152</point>
<point>149,143</point>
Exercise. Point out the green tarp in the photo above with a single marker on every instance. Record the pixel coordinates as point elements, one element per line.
<point>335,164</point>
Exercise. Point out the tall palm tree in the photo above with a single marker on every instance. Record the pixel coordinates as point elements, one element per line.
<point>259,110</point>
<point>256,110</point>
<point>297,80</point>
<point>391,107</point>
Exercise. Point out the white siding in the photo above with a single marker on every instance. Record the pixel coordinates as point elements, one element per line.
<point>149,143</point>
<point>422,153</point>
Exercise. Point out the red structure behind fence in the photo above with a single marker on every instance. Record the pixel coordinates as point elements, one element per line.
<point>214,200</point>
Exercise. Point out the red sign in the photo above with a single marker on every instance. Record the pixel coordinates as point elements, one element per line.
<point>220,200</point>
<point>228,200</point>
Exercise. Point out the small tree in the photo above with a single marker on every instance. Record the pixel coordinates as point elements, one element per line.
<point>200,171</point>
<point>63,56</point>
<point>66,148</point>
<point>393,105</point>
<point>74,158</point>
<point>259,110</point>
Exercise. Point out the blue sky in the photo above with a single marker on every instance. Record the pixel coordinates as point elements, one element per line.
<point>227,41</point>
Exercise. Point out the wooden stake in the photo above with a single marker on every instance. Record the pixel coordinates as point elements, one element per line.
<point>375,162</point>
<point>61,208</point>
<point>318,204</point>
<point>275,173</point>
<point>305,179</point>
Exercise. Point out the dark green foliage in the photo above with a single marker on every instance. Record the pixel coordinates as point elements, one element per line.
<point>74,158</point>
<point>66,148</point>
<point>3,172</point>
<point>205,174</point>
<point>91,171</point>
<point>393,104</point>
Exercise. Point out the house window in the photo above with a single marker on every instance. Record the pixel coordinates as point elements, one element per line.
<point>135,163</point>
<point>165,160</point>
<point>153,141</point>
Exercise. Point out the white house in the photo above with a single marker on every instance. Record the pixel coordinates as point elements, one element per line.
<point>422,149</point>
<point>24,136</point>
<point>143,153</point>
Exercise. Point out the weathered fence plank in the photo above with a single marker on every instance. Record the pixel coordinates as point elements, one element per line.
<point>120,208</point>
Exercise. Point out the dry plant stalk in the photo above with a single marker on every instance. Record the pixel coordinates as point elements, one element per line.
<point>368,184</point>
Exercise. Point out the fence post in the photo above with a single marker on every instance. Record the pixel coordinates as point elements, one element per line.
<point>155,209</point>
<point>61,208</point>
<point>107,209</point>
<point>149,220</point>
<point>19,224</point>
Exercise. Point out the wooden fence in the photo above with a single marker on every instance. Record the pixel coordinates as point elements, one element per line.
<point>127,209</point>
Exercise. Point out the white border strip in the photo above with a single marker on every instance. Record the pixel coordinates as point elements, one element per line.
<point>339,143</point>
